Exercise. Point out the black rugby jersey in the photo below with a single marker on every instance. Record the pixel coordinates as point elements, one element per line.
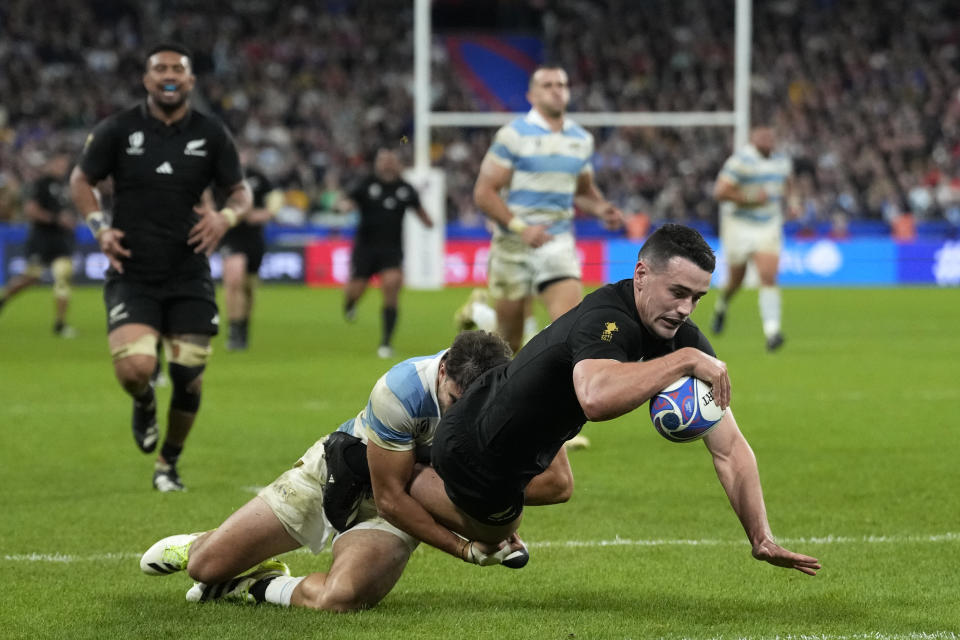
<point>50,194</point>
<point>159,173</point>
<point>245,232</point>
<point>530,406</point>
<point>382,207</point>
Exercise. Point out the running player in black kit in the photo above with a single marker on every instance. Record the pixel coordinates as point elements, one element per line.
<point>602,359</point>
<point>50,243</point>
<point>382,200</point>
<point>243,247</point>
<point>162,154</point>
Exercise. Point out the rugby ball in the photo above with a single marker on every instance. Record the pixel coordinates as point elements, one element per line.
<point>685,410</point>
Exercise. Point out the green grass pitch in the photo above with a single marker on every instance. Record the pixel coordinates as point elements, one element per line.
<point>853,422</point>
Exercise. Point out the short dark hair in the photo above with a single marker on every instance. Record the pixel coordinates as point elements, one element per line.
<point>473,353</point>
<point>168,46</point>
<point>544,66</point>
<point>672,240</point>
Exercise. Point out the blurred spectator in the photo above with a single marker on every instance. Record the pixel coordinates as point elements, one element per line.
<point>866,94</point>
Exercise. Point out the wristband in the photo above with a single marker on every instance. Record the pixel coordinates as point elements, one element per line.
<point>230,215</point>
<point>97,223</point>
<point>517,225</point>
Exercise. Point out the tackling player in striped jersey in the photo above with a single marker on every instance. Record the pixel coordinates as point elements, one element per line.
<point>374,540</point>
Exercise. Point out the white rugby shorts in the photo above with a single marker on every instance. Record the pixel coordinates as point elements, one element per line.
<point>296,498</point>
<point>515,270</point>
<point>741,237</point>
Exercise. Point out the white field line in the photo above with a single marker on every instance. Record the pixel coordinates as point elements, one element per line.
<point>66,558</point>
<point>708,542</point>
<point>876,635</point>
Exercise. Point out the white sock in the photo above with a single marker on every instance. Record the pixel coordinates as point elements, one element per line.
<point>769,299</point>
<point>280,590</point>
<point>530,328</point>
<point>483,316</point>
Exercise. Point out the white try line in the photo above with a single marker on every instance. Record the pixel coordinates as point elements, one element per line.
<point>708,542</point>
<point>67,558</point>
<point>876,635</point>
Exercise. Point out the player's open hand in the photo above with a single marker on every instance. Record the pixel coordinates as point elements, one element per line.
<point>536,235</point>
<point>111,247</point>
<point>206,234</point>
<point>771,552</point>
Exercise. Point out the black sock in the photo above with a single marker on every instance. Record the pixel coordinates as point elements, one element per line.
<point>170,453</point>
<point>259,589</point>
<point>236,330</point>
<point>146,398</point>
<point>389,322</point>
<point>244,328</point>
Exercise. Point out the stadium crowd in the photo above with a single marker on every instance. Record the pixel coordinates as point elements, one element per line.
<point>865,95</point>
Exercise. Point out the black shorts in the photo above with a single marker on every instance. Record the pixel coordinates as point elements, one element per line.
<point>367,260</point>
<point>46,245</point>
<point>474,481</point>
<point>248,241</point>
<point>171,307</point>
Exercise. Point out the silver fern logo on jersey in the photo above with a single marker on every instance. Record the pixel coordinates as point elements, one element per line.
<point>195,148</point>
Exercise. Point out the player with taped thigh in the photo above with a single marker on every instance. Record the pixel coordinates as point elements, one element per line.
<point>50,243</point>
<point>370,460</point>
<point>135,317</point>
<point>162,155</point>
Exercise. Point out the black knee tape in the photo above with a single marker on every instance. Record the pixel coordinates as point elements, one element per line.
<point>182,399</point>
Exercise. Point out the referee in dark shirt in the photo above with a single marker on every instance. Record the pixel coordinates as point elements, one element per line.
<point>382,200</point>
<point>50,243</point>
<point>162,154</point>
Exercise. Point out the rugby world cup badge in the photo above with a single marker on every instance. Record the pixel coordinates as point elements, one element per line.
<point>136,144</point>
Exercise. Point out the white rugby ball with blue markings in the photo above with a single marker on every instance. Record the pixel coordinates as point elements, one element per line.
<point>685,411</point>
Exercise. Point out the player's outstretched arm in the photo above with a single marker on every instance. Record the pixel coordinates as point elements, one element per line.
<point>737,470</point>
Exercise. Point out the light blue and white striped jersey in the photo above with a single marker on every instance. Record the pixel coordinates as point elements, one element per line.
<point>750,171</point>
<point>546,165</point>
<point>402,411</point>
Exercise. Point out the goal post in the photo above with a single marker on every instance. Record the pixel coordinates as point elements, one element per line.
<point>424,243</point>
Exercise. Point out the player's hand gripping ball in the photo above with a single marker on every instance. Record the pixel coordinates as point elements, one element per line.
<point>685,410</point>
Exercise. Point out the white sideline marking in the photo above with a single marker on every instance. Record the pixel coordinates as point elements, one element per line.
<point>707,542</point>
<point>67,558</point>
<point>876,635</point>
